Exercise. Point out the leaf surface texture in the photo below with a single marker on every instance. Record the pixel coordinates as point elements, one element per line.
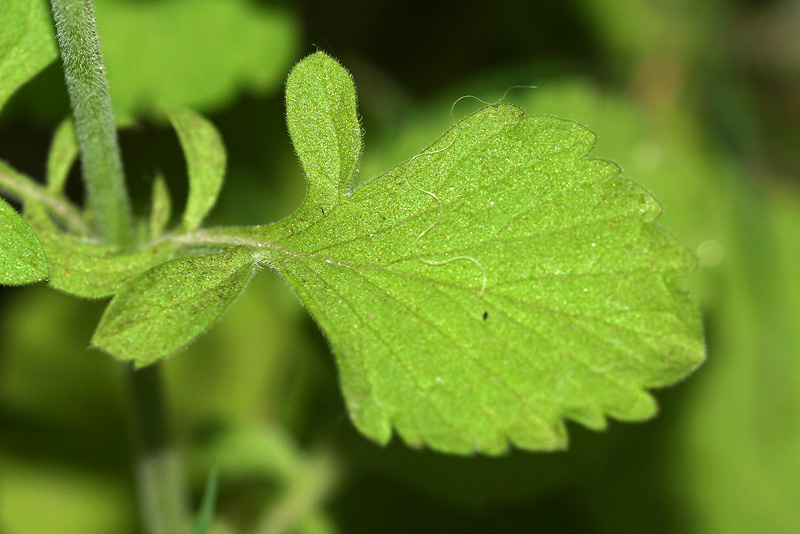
<point>492,286</point>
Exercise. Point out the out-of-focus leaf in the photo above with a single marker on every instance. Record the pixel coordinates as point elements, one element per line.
<point>205,159</point>
<point>270,453</point>
<point>633,30</point>
<point>88,269</point>
<point>22,258</point>
<point>192,53</point>
<point>27,43</point>
<point>49,497</point>
<point>165,308</point>
<point>738,465</point>
<point>49,378</point>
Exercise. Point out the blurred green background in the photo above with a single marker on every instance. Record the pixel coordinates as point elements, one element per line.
<point>698,101</point>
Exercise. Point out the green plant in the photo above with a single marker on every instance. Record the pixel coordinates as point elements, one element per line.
<point>475,296</point>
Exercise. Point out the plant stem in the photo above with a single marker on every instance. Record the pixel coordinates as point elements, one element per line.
<point>21,187</point>
<point>161,486</point>
<point>94,122</point>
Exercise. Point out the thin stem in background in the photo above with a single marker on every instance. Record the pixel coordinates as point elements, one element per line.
<point>94,122</point>
<point>23,188</point>
<point>162,493</point>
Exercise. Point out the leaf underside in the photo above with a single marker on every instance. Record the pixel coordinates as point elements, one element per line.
<point>86,269</point>
<point>165,308</point>
<point>196,54</point>
<point>22,259</point>
<point>475,297</point>
<point>26,44</point>
<point>63,153</point>
<point>205,161</point>
<point>491,287</point>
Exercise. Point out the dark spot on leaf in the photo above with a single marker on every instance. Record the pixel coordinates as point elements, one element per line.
<point>485,315</point>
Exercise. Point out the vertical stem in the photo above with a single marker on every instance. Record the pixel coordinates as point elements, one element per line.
<point>161,486</point>
<point>94,122</point>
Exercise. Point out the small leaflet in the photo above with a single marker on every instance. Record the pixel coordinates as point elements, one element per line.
<point>322,117</point>
<point>165,308</point>
<point>161,209</point>
<point>63,153</point>
<point>22,258</point>
<point>205,161</point>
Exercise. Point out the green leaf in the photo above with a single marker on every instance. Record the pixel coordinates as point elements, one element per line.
<point>27,44</point>
<point>164,309</point>
<point>161,209</point>
<point>493,286</point>
<point>736,446</point>
<point>87,269</point>
<point>77,501</point>
<point>192,53</point>
<point>22,259</point>
<point>322,117</point>
<point>662,156</point>
<point>205,159</point>
<point>63,153</point>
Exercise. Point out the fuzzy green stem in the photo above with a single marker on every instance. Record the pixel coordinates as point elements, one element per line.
<point>18,185</point>
<point>161,486</point>
<point>84,72</point>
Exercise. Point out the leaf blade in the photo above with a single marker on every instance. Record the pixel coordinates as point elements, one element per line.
<point>205,161</point>
<point>26,44</point>
<point>63,153</point>
<point>161,208</point>
<point>493,286</point>
<point>87,269</point>
<point>162,310</point>
<point>321,114</point>
<point>22,258</point>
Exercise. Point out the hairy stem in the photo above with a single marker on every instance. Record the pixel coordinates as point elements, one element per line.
<point>160,479</point>
<point>161,485</point>
<point>23,188</point>
<point>94,122</point>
